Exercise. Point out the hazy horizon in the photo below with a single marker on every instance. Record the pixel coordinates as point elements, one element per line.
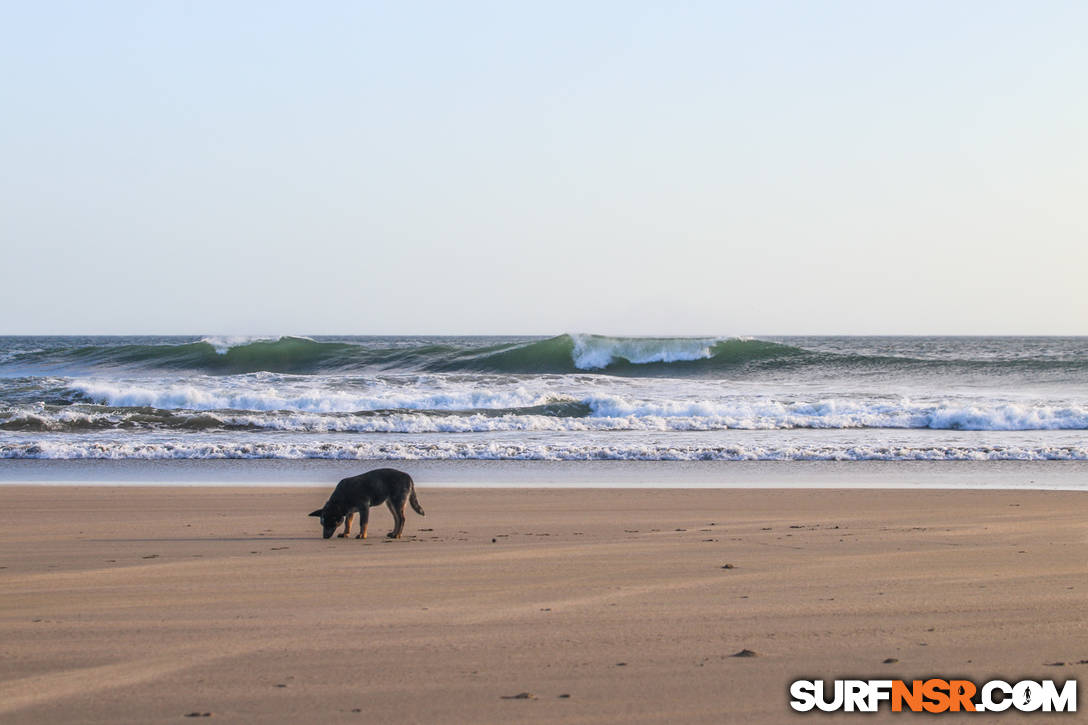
<point>836,168</point>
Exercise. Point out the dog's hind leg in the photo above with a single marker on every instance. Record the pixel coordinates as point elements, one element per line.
<point>364,519</point>
<point>397,509</point>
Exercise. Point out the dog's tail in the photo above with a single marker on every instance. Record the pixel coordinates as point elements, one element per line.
<point>415,502</point>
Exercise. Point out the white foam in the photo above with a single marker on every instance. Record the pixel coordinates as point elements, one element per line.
<point>285,403</point>
<point>223,343</point>
<point>595,352</point>
<point>760,413</point>
<point>62,448</point>
<point>258,393</point>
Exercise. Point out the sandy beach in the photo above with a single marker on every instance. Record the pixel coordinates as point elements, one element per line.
<point>148,604</point>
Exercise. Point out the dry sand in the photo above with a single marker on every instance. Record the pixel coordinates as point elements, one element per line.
<point>145,604</point>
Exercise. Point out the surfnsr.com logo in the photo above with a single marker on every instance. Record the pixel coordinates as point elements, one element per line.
<point>934,695</point>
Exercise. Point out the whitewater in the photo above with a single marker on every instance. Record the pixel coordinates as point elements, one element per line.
<point>569,397</point>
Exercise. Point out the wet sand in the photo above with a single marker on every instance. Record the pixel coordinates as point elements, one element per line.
<point>149,604</point>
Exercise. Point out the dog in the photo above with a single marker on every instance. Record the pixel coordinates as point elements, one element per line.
<point>357,494</point>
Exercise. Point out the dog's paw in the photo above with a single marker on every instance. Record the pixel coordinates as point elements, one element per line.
<point>340,536</point>
<point>391,535</point>
<point>359,536</point>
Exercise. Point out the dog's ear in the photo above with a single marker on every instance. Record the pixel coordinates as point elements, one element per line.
<point>317,513</point>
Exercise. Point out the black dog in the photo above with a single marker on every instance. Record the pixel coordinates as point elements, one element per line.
<point>384,485</point>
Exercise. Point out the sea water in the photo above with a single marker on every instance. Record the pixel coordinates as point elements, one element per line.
<point>573,397</point>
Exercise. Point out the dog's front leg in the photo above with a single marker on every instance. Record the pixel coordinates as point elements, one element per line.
<point>347,525</point>
<point>364,518</point>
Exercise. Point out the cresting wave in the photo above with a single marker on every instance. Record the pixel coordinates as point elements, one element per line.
<point>301,355</point>
<point>564,354</point>
<point>134,449</point>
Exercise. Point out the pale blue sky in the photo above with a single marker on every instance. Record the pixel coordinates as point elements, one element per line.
<point>612,167</point>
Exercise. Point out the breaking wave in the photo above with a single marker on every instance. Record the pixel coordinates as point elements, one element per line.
<point>569,397</point>
<point>524,411</point>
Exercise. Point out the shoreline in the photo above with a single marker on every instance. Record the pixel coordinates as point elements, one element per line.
<point>143,604</point>
<point>935,475</point>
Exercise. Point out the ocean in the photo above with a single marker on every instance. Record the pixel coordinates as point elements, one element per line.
<point>573,397</point>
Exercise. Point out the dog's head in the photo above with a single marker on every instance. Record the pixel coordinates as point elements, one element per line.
<point>331,518</point>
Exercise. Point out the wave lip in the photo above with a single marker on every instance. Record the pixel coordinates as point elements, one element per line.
<point>596,352</point>
<point>222,344</point>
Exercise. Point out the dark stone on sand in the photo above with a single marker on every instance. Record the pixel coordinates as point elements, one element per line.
<point>356,709</point>
<point>890,661</point>
<point>151,556</point>
<point>493,541</point>
<point>1053,664</point>
<point>520,696</point>
<point>744,653</point>
<point>198,714</point>
<point>621,664</point>
<point>565,696</point>
<point>728,566</point>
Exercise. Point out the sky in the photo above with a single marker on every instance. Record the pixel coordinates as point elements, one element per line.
<point>667,168</point>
